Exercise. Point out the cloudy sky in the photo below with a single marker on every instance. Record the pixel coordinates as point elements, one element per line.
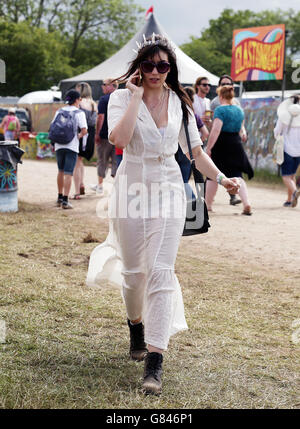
<point>184,18</point>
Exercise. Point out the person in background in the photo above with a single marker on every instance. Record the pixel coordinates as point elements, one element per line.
<point>105,150</point>
<point>87,143</point>
<point>201,103</point>
<point>200,125</point>
<point>11,125</point>
<point>225,147</point>
<point>66,154</point>
<point>225,79</point>
<point>288,125</point>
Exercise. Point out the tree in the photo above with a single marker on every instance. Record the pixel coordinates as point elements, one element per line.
<point>294,35</point>
<point>204,52</point>
<point>98,50</point>
<point>35,59</point>
<point>114,19</point>
<point>26,10</point>
<point>44,41</point>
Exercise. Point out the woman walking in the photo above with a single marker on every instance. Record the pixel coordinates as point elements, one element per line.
<point>225,147</point>
<point>11,125</point>
<point>86,145</point>
<point>288,125</point>
<point>146,223</point>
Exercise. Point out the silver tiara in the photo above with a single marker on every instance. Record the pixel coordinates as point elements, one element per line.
<point>150,41</point>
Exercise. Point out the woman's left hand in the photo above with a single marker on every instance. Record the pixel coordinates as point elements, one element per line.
<point>232,185</point>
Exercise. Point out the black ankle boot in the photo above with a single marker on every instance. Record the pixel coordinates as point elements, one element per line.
<point>234,200</point>
<point>138,349</point>
<point>152,383</point>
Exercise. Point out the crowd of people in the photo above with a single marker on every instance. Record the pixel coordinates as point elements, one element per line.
<point>222,131</point>
<point>139,132</point>
<point>207,124</point>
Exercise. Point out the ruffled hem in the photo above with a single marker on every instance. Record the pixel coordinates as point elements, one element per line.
<point>105,271</point>
<point>104,268</point>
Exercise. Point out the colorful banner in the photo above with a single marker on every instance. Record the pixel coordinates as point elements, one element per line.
<point>258,53</point>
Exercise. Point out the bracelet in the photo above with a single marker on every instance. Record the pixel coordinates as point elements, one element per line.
<point>220,177</point>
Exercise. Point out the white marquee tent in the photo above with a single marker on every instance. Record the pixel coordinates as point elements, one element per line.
<point>117,64</point>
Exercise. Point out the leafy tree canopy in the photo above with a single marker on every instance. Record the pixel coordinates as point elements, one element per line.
<point>34,59</point>
<point>55,39</point>
<point>76,19</point>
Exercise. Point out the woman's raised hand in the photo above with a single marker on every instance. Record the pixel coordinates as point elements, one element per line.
<point>231,185</point>
<point>133,84</point>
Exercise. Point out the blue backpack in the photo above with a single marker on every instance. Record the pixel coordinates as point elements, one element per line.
<point>63,129</point>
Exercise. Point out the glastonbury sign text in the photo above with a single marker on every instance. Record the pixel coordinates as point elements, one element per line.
<point>258,53</point>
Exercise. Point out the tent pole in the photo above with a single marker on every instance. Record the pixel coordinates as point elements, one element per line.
<point>284,66</point>
<point>241,89</point>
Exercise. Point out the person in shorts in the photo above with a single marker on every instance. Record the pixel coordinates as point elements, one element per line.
<point>105,150</point>
<point>288,125</point>
<point>66,154</point>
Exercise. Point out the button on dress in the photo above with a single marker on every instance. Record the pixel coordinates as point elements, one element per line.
<point>146,218</point>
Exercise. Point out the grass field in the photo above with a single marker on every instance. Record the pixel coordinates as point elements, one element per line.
<point>267,178</point>
<point>67,345</point>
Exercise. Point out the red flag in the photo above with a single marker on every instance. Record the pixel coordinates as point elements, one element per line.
<point>150,10</point>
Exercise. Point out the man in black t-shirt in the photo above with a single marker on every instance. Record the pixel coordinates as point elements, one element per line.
<point>105,150</point>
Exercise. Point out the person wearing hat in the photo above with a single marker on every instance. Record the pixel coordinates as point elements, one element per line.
<point>66,154</point>
<point>10,125</point>
<point>288,125</point>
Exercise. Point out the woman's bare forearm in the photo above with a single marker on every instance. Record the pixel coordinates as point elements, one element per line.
<point>204,163</point>
<point>207,167</point>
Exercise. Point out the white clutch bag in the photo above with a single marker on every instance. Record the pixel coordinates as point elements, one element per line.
<point>278,150</point>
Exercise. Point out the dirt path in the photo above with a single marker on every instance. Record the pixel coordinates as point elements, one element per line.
<point>269,238</point>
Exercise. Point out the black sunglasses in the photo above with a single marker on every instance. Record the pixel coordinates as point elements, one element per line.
<point>161,67</point>
<point>205,84</point>
<point>226,84</point>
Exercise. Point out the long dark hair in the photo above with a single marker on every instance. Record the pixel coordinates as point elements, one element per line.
<point>157,43</point>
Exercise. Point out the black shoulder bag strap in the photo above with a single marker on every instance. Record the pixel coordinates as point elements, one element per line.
<point>196,173</point>
<point>198,179</point>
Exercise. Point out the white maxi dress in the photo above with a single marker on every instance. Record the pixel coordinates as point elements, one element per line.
<point>146,218</point>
